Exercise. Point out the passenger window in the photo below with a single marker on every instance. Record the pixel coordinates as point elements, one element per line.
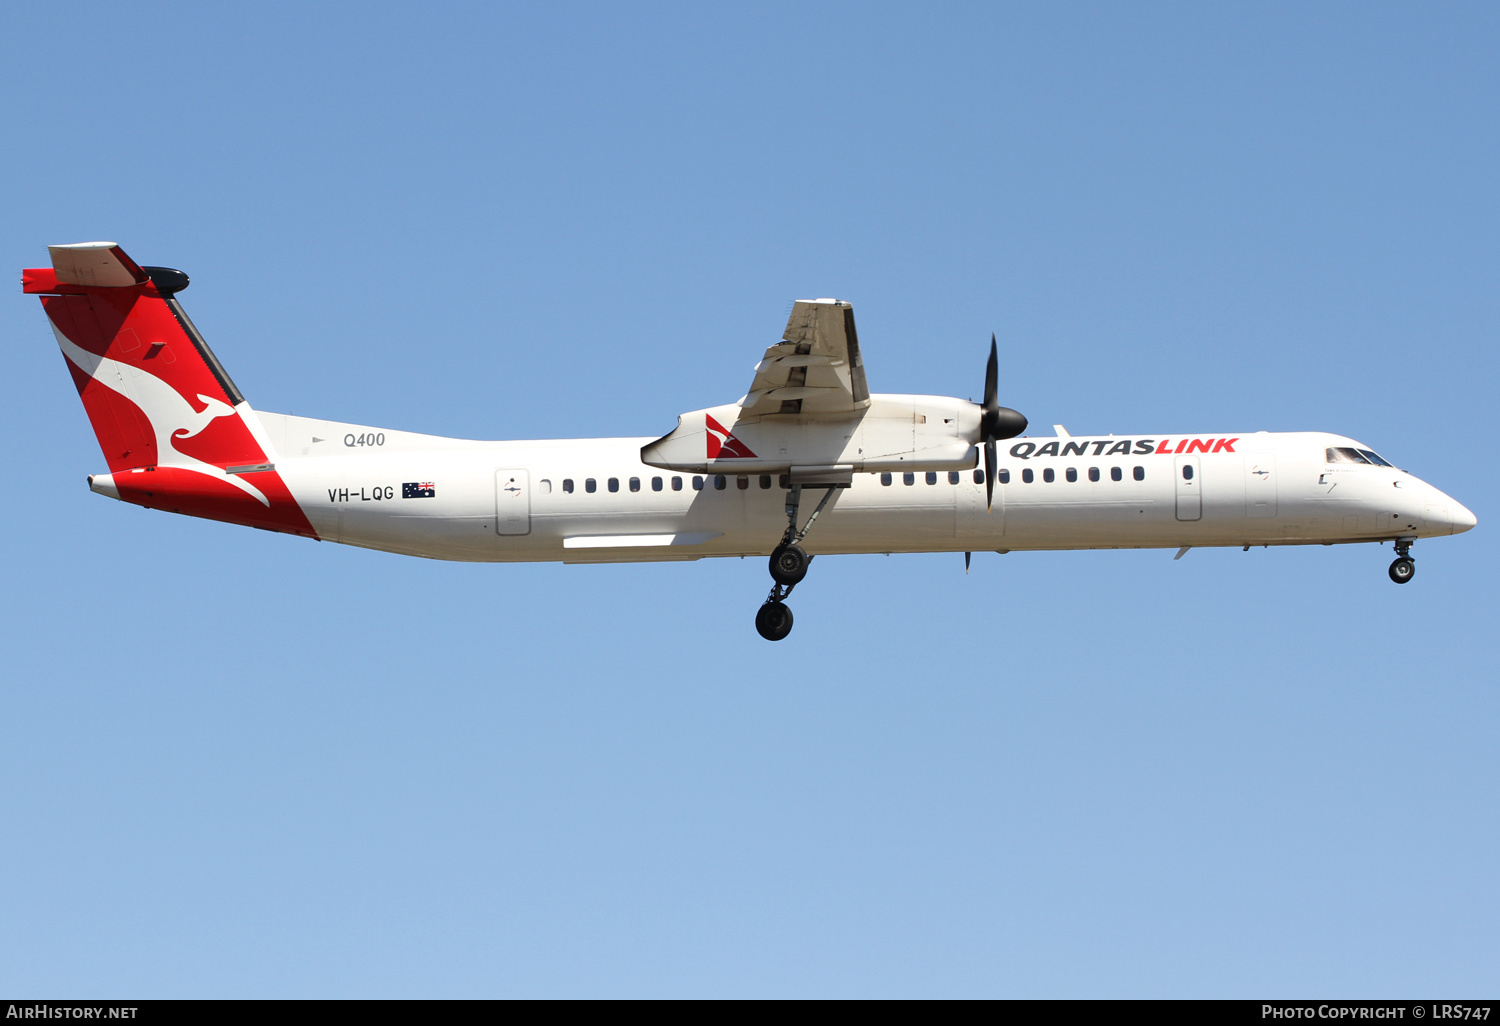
<point>932,477</point>
<point>719,482</point>
<point>1187,471</point>
<point>590,486</point>
<point>953,477</point>
<point>614,484</point>
<point>1116,474</point>
<point>1072,475</point>
<point>885,479</point>
<point>1093,473</point>
<point>743,482</point>
<point>1048,476</point>
<point>635,484</point>
<point>1140,473</point>
<point>908,478</point>
<point>1026,476</point>
<point>676,484</point>
<point>979,477</point>
<point>656,484</point>
<point>568,485</point>
<point>1005,477</point>
<point>544,486</point>
<point>765,482</point>
<point>697,483</point>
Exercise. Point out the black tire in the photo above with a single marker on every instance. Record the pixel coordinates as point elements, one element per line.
<point>774,621</point>
<point>1403,570</point>
<point>789,565</point>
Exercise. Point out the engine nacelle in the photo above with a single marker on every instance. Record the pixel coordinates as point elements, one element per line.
<point>893,432</point>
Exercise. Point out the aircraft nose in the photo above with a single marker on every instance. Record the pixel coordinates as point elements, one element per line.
<point>1462,518</point>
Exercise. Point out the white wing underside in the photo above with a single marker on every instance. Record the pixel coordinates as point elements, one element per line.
<point>816,368</point>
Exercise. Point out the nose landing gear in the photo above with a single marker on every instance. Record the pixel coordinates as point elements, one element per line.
<point>789,562</point>
<point>1404,568</point>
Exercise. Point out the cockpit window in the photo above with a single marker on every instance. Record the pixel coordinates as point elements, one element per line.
<point>1345,454</point>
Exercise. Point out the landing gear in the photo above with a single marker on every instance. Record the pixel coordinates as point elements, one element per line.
<point>1404,568</point>
<point>789,562</point>
<point>774,620</point>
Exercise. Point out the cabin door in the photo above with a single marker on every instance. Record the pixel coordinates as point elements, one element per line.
<point>512,502</point>
<point>1260,484</point>
<point>1189,489</point>
<point>971,520</point>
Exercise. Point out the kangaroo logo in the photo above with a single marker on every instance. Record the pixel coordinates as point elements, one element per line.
<point>171,415</point>
<point>723,445</point>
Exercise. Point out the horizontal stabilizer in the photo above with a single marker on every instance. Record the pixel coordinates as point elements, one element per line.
<point>96,264</point>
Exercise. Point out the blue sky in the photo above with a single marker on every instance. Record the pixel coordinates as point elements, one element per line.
<point>238,764</point>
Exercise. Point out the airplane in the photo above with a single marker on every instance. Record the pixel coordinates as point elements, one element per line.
<point>809,462</point>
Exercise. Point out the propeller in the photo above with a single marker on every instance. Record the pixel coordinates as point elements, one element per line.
<point>996,422</point>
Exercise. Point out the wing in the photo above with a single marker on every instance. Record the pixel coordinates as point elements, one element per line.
<point>815,368</point>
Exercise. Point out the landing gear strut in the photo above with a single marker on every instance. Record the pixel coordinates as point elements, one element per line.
<point>1404,568</point>
<point>789,562</point>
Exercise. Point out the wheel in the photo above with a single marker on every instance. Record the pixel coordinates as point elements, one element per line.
<point>788,565</point>
<point>774,621</point>
<point>1403,570</point>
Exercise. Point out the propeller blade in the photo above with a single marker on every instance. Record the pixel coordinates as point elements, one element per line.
<point>992,379</point>
<point>995,421</point>
<point>966,561</point>
<point>989,475</point>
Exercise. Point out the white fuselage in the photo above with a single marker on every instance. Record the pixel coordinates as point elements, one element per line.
<point>531,500</point>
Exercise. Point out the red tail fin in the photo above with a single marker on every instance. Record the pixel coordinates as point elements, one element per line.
<point>155,393</point>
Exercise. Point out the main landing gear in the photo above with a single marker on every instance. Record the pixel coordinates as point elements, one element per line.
<point>1404,568</point>
<point>789,562</point>
<point>774,619</point>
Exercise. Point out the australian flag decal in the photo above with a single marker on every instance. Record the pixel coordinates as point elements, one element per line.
<point>416,490</point>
